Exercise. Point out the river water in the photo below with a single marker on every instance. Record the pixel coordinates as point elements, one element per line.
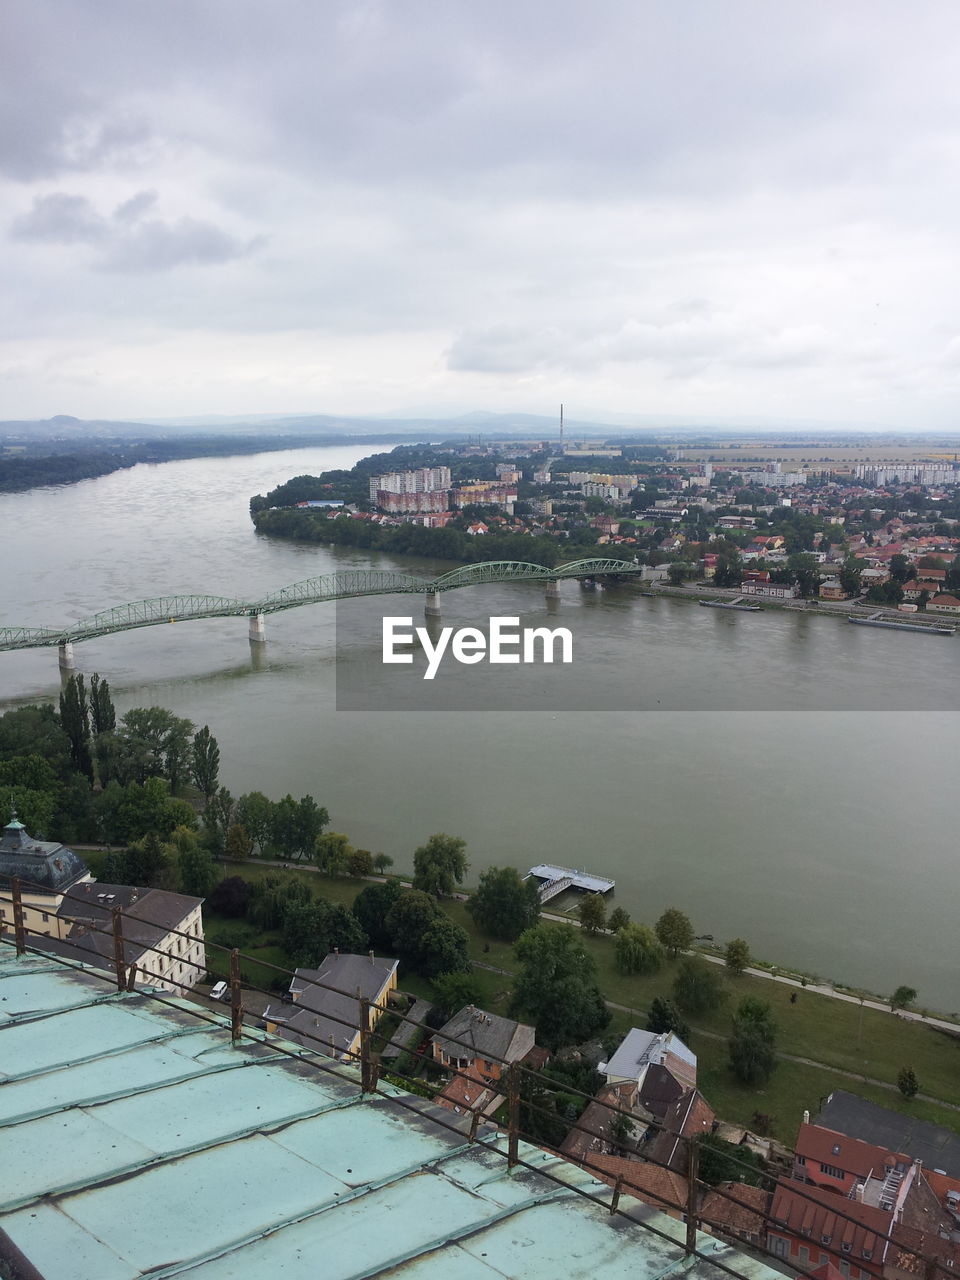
<point>784,778</point>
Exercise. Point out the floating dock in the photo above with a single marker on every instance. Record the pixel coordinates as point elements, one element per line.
<point>731,604</point>
<point>553,880</point>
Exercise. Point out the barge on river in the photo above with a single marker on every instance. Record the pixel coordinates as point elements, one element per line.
<point>893,624</point>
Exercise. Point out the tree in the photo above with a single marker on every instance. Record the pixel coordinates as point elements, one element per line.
<point>407,919</point>
<point>698,987</point>
<point>205,762</point>
<point>902,998</point>
<point>75,719</point>
<point>665,1016</point>
<point>674,931</point>
<point>453,991</point>
<point>618,918</point>
<point>332,852</point>
<point>440,864</point>
<point>218,817</point>
<point>444,948</point>
<point>230,897</point>
<point>556,986</point>
<point>849,575</point>
<point>103,716</point>
<point>371,907</point>
<point>360,862</point>
<point>592,913</point>
<point>504,904</point>
<point>198,875</point>
<point>722,1161</point>
<point>380,862</point>
<point>907,1082</point>
<point>148,861</point>
<point>296,825</point>
<point>952,580</point>
<point>238,845</point>
<point>154,743</point>
<point>900,568</point>
<point>752,1043</point>
<point>805,571</point>
<point>255,813</point>
<point>637,949</point>
<point>737,955</point>
<point>729,569</point>
<point>272,897</point>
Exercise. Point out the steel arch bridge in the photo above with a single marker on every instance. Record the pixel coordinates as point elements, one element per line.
<point>342,585</point>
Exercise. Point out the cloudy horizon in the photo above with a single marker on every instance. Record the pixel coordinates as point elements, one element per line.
<point>730,213</point>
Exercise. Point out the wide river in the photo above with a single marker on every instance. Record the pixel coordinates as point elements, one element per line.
<point>779,777</point>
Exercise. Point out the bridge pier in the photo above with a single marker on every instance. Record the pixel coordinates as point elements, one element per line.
<point>553,590</point>
<point>258,632</point>
<point>66,657</point>
<point>431,605</point>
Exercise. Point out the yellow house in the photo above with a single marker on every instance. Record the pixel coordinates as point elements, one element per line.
<point>66,911</point>
<point>325,1011</point>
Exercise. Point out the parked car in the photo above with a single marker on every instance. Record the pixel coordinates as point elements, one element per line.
<point>220,991</point>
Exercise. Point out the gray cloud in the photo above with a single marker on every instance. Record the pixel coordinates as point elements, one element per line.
<point>60,219</point>
<point>668,205</point>
<point>125,242</point>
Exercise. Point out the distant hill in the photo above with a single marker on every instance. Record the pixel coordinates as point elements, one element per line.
<point>63,427</point>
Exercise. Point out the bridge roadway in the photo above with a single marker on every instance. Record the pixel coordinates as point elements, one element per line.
<point>342,585</point>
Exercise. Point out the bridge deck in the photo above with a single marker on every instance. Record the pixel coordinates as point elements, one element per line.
<point>547,872</point>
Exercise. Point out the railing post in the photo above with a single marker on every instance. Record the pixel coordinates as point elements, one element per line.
<point>692,1195</point>
<point>118,957</point>
<point>368,1068</point>
<point>513,1100</point>
<point>236,1008</point>
<point>617,1189</point>
<point>19,928</point>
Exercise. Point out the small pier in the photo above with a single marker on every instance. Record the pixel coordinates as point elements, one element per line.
<point>554,880</point>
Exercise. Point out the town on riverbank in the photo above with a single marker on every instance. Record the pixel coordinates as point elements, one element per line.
<point>882,532</point>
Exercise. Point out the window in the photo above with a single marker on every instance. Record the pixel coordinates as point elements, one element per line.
<point>844,1267</point>
<point>845,1246</point>
<point>777,1245</point>
<point>804,1255</point>
<point>831,1170</point>
<point>868,1254</point>
<point>801,1159</point>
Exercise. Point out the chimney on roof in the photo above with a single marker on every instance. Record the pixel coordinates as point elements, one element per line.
<point>370,954</point>
<point>336,951</point>
<point>858,1193</point>
<point>806,1117</point>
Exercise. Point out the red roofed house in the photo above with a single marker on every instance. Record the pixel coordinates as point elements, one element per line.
<point>855,1192</point>
<point>815,1227</point>
<point>942,603</point>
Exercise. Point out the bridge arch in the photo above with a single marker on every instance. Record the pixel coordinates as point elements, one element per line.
<point>342,585</point>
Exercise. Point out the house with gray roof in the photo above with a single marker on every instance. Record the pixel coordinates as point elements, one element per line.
<point>324,1013</point>
<point>483,1041</point>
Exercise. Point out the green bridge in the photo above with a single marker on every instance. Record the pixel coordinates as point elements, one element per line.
<point>343,585</point>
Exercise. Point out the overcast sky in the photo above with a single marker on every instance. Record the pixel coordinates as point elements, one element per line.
<point>703,210</point>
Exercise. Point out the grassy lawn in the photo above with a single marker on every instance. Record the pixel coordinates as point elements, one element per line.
<point>832,1033</point>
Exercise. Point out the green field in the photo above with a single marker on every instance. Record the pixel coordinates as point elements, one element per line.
<point>833,1035</point>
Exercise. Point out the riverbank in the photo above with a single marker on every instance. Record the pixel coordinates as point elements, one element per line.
<point>827,1039</point>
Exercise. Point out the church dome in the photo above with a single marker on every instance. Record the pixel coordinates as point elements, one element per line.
<point>44,866</point>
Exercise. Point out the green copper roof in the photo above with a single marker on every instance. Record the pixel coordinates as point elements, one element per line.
<point>137,1139</point>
